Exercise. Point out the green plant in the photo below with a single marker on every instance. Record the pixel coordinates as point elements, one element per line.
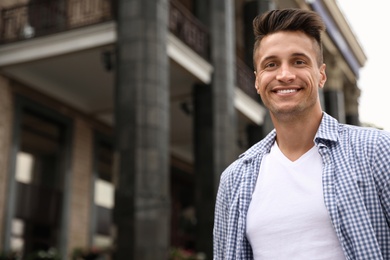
<point>11,255</point>
<point>178,253</point>
<point>50,254</point>
<point>91,253</point>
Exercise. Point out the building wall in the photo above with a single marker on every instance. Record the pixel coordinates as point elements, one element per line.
<point>82,155</point>
<point>6,111</point>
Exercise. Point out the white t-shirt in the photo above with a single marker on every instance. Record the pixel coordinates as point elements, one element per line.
<point>287,217</point>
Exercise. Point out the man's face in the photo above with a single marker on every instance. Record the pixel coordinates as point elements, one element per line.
<point>287,74</point>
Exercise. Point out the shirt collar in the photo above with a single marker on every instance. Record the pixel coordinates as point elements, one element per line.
<point>328,131</point>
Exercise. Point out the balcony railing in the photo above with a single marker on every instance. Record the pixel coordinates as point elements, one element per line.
<point>48,17</point>
<point>189,29</point>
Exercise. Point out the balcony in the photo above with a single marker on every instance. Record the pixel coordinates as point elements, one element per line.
<point>47,17</point>
<point>188,29</point>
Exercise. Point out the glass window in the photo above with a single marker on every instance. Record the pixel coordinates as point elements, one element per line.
<point>103,194</point>
<point>39,184</point>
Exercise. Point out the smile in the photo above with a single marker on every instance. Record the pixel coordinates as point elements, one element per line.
<point>286,91</point>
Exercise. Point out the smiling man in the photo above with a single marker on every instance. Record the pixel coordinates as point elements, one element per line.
<point>313,188</point>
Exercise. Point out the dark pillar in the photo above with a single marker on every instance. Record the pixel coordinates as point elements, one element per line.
<point>352,119</point>
<point>202,11</point>
<point>351,99</point>
<point>218,128</point>
<point>250,12</point>
<point>321,97</point>
<point>334,104</point>
<point>254,134</point>
<point>224,78</point>
<point>333,91</point>
<point>204,168</point>
<point>142,203</point>
<point>265,5</point>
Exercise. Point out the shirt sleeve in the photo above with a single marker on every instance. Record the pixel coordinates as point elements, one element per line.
<point>220,221</point>
<point>382,169</point>
<point>386,201</point>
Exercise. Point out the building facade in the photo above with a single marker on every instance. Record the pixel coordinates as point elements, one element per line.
<point>118,116</point>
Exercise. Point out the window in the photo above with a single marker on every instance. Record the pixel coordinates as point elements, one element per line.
<point>39,176</point>
<point>103,194</point>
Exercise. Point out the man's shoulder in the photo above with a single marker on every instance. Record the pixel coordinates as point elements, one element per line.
<point>365,135</point>
<point>364,142</point>
<point>334,131</point>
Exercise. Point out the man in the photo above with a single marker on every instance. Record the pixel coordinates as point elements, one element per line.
<point>313,188</point>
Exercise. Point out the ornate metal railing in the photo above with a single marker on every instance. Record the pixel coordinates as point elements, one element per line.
<point>189,29</point>
<point>46,17</point>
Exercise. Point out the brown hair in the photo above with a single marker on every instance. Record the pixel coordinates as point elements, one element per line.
<point>290,19</point>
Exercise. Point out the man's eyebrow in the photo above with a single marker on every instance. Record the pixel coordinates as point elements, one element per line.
<point>265,59</point>
<point>300,54</point>
<point>295,54</point>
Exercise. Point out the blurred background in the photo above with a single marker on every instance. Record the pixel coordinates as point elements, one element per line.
<point>118,117</point>
<point>369,22</point>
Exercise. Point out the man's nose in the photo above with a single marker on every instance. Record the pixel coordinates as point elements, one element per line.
<point>285,73</point>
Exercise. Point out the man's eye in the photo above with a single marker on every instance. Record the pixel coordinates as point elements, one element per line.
<point>300,62</point>
<point>270,65</point>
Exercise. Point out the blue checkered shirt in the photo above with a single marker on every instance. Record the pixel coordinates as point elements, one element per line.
<point>356,185</point>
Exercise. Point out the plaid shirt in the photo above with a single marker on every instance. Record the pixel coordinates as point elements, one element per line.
<point>356,184</point>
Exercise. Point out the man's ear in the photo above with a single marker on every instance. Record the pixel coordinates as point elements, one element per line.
<point>323,76</point>
<point>256,86</point>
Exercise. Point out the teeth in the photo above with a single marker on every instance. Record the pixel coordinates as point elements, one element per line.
<point>286,91</point>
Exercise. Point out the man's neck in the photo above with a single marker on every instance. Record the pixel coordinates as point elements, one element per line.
<point>295,137</point>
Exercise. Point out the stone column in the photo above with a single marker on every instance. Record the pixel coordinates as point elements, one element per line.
<point>351,97</point>
<point>80,184</point>
<point>142,200</point>
<point>224,78</point>
<point>253,8</point>
<point>333,91</point>
<point>215,120</point>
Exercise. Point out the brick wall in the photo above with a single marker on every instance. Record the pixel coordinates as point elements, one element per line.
<point>80,195</point>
